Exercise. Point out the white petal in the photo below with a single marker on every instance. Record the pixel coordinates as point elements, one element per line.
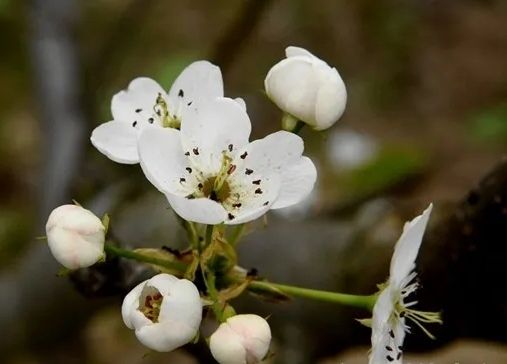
<point>292,51</point>
<point>183,304</point>
<point>200,80</point>
<point>254,205</point>
<point>331,100</point>
<point>226,346</point>
<point>131,303</point>
<point>166,336</point>
<point>141,93</point>
<point>256,334</point>
<point>387,331</point>
<point>162,158</point>
<point>292,85</point>
<point>407,247</point>
<point>163,282</point>
<point>297,182</point>
<point>200,210</point>
<point>209,130</point>
<point>241,102</point>
<point>116,140</point>
<point>271,154</point>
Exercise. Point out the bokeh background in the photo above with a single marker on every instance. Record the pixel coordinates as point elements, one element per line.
<point>426,120</point>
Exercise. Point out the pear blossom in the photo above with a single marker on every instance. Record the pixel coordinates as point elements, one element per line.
<point>75,236</point>
<point>145,103</point>
<point>307,88</point>
<point>392,308</point>
<point>210,172</point>
<point>242,339</point>
<point>164,311</point>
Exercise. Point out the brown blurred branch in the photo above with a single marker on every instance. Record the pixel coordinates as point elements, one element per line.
<point>227,48</point>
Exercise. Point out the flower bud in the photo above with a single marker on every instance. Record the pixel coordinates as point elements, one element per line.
<point>164,311</point>
<point>75,236</point>
<point>307,88</point>
<point>242,339</point>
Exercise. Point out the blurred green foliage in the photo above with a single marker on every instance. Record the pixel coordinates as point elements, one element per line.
<point>490,125</point>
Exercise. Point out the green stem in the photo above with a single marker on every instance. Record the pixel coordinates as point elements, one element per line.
<point>208,235</point>
<point>360,301</point>
<point>129,254</point>
<point>298,127</point>
<point>291,123</point>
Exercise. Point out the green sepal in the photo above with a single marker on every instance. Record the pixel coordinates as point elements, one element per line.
<point>105,222</point>
<point>63,272</point>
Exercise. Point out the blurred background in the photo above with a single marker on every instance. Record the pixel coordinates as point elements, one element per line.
<point>426,121</point>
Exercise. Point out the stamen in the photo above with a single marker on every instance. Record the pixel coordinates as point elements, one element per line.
<point>258,191</point>
<point>389,358</point>
<point>265,203</point>
<point>243,156</point>
<point>230,147</point>
<point>190,103</point>
<point>151,120</point>
<point>391,333</point>
<point>388,348</point>
<point>139,110</point>
<point>230,216</point>
<point>231,169</point>
<point>182,179</point>
<point>257,182</point>
<point>134,124</point>
<point>200,185</point>
<point>180,93</point>
<point>196,151</point>
<point>237,205</point>
<point>187,153</point>
<point>189,170</point>
<point>248,171</point>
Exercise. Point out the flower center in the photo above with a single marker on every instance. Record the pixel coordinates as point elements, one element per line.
<point>162,110</point>
<point>150,303</point>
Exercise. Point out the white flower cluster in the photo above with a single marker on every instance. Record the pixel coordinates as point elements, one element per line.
<point>193,144</point>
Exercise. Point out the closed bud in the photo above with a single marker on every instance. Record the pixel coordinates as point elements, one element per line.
<point>75,236</point>
<point>307,88</point>
<point>242,339</point>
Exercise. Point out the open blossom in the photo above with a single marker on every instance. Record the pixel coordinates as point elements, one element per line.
<point>164,311</point>
<point>75,236</point>
<point>392,308</point>
<point>307,88</point>
<point>242,339</point>
<point>211,174</point>
<point>145,102</point>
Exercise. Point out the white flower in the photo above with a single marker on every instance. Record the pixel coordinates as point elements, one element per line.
<point>391,309</point>
<point>211,174</point>
<point>242,339</point>
<point>164,311</point>
<point>307,88</point>
<point>75,236</point>
<point>145,102</point>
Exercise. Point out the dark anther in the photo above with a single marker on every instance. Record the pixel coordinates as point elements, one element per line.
<point>402,314</point>
<point>190,103</point>
<point>391,333</point>
<point>257,182</point>
<point>190,197</point>
<point>266,203</point>
<point>158,112</point>
<point>252,272</point>
<point>248,171</point>
<point>400,348</point>
<point>200,185</point>
<point>389,358</point>
<point>230,216</point>
<point>243,156</point>
<point>182,179</point>
<point>213,196</point>
<point>196,151</point>
<point>237,205</point>
<point>398,356</point>
<point>150,120</point>
<point>258,191</point>
<point>230,147</point>
<point>187,153</point>
<point>134,124</point>
<point>180,93</point>
<point>139,110</point>
<point>189,170</point>
<point>388,348</point>
<point>231,169</point>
